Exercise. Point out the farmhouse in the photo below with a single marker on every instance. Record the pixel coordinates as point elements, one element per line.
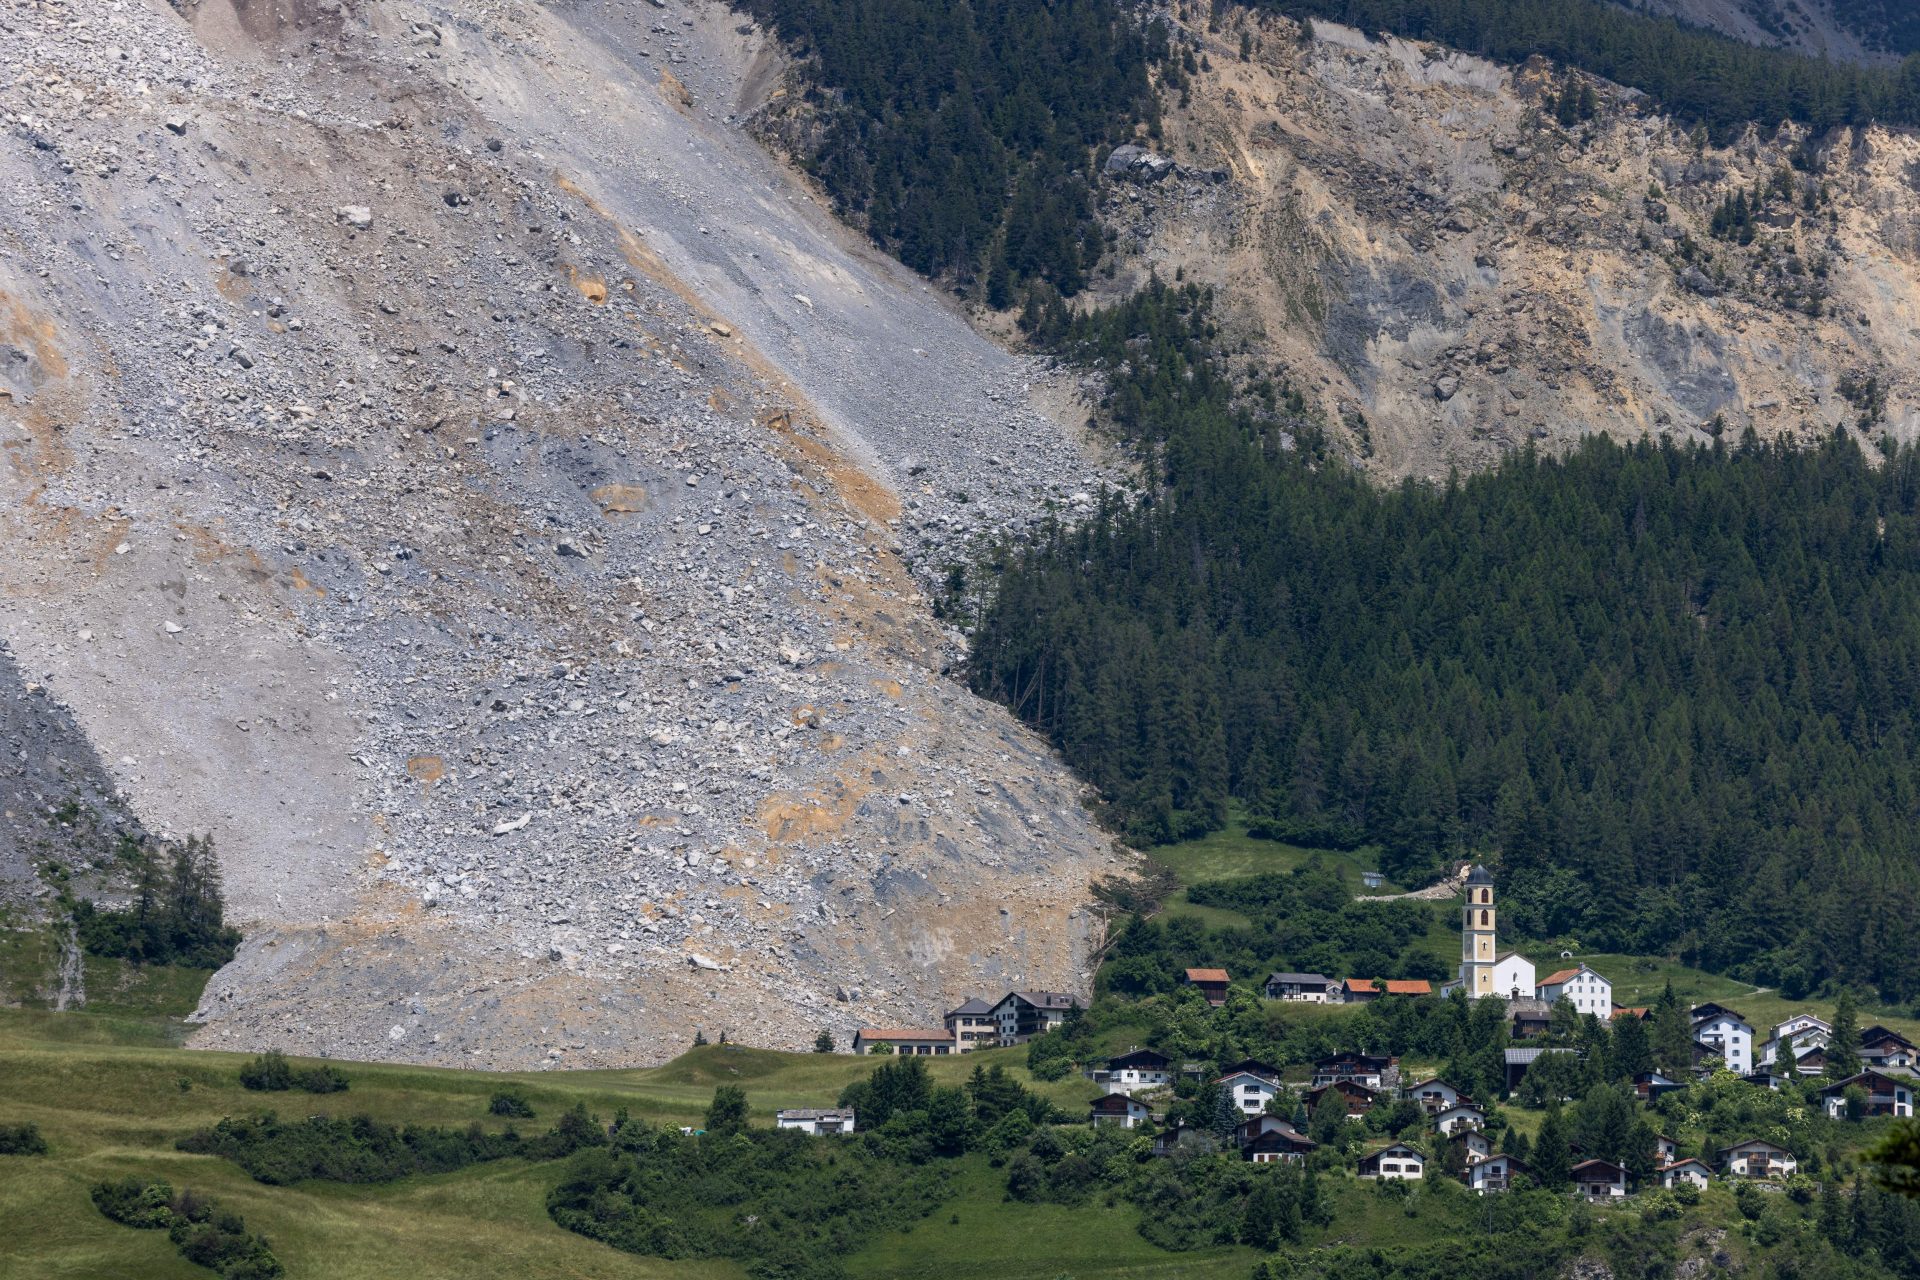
<point>817,1121</point>
<point>1758,1158</point>
<point>1212,984</point>
<point>1599,1180</point>
<point>1310,987</point>
<point>1398,1161</point>
<point>1586,990</point>
<point>1886,1095</point>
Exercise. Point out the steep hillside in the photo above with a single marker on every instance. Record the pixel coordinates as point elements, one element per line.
<point>446,460</point>
<point>1413,239</point>
<point>1856,30</point>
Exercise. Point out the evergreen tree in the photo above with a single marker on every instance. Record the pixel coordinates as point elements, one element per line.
<point>1843,1042</point>
<point>1672,1036</point>
<point>727,1113</point>
<point>1552,1161</point>
<point>1632,1049</point>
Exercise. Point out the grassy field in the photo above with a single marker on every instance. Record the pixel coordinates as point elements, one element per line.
<point>1232,854</point>
<point>110,1094</point>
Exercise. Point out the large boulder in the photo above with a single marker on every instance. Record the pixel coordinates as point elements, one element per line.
<point>1137,164</point>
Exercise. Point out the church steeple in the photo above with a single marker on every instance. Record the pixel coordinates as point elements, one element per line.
<point>1477,926</point>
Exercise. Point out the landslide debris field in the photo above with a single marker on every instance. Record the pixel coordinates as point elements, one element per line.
<point>448,460</point>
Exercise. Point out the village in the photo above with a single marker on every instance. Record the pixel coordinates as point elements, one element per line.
<point>1266,1115</point>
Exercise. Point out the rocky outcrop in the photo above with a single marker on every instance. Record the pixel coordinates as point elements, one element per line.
<point>1444,273</point>
<point>445,459</point>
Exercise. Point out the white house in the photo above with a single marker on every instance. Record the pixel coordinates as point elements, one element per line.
<point>1726,1031</point>
<point>1250,1093</point>
<point>1665,1149</point>
<point>1464,1115</point>
<point>816,1120</point>
<point>1474,1145</point>
<point>1397,1162</point>
<point>1586,990</point>
<point>1119,1109</point>
<point>1435,1095</point>
<point>1786,1041</point>
<point>1887,1095</point>
<point>1688,1170</point>
<point>1758,1158</point>
<point>1141,1069</point>
<point>1599,1180</point>
<point>1022,1015</point>
<point>1513,977</point>
<point>1495,1173</point>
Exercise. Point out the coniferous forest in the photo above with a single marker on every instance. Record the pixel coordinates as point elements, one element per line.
<point>964,136</point>
<point>1672,689</point>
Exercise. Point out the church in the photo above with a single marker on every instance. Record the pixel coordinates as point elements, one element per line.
<point>1483,970</point>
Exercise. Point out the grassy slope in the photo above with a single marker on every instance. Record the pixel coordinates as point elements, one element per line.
<point>107,1094</point>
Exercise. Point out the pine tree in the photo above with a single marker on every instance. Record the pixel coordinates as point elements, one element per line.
<point>1672,1036</point>
<point>1552,1161</point>
<point>1632,1049</point>
<point>1843,1042</point>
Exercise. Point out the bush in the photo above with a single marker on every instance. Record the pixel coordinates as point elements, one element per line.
<point>268,1073</point>
<point>21,1140</point>
<point>358,1150</point>
<point>205,1234</point>
<point>322,1079</point>
<point>510,1102</point>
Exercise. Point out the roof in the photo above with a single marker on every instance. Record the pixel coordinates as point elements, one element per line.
<point>975,1005</point>
<point>1712,1010</point>
<point>814,1113</point>
<point>1138,1056</point>
<point>1564,975</point>
<point>1351,1056</point>
<point>898,1033</point>
<point>1281,1137</point>
<point>1394,986</point>
<point>1513,1160</point>
<point>1436,1080</point>
<point>1343,1086</point>
<point>1251,1075</point>
<point>1754,1142</point>
<point>1253,1065</point>
<point>1107,1101</point>
<point>1597,1166</point>
<point>1043,999</point>
<point>1393,1148</point>
<point>1689,1160</point>
<point>1877,1033</point>
<point>1207,975</point>
<point>1465,1104</point>
<point>1630,1011</point>
<point>1861,1077</point>
<point>1525,1057</point>
<point>1479,875</point>
<point>1298,978</point>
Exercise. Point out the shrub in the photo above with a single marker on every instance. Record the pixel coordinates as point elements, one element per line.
<point>510,1102</point>
<point>205,1234</point>
<point>268,1073</point>
<point>21,1140</point>
<point>322,1079</point>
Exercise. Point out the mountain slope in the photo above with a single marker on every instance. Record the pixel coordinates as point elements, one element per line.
<point>1410,237</point>
<point>1850,30</point>
<point>450,463</point>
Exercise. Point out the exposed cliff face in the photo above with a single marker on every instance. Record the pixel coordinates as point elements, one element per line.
<point>441,456</point>
<point>1447,273</point>
<point>1854,31</point>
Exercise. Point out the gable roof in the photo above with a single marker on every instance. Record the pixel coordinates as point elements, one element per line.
<point>1513,1161</point>
<point>1677,1164</point>
<point>1863,1077</point>
<point>1461,1093</point>
<point>1289,1138</point>
<point>1299,979</point>
<point>1252,1066</point>
<point>1249,1075</point>
<point>975,1005</point>
<point>1138,1058</point>
<point>1207,975</point>
<point>1465,1104</point>
<point>1525,1056</point>
<point>1394,986</point>
<point>1712,1010</point>
<point>1749,1143</point>
<point>1359,1059</point>
<point>1568,975</point>
<point>1042,999</point>
<point>1877,1033</point>
<point>1117,1102</point>
<point>1591,1167</point>
<point>1397,1149</point>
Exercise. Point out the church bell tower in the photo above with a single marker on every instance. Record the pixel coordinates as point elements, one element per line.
<point>1477,935</point>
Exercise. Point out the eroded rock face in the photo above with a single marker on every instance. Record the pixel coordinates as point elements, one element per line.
<point>499,505</point>
<point>1447,274</point>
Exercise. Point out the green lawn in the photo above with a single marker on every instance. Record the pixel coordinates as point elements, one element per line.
<point>1232,854</point>
<point>110,1094</point>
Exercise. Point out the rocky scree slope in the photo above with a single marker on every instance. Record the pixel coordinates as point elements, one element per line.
<point>1408,237</point>
<point>447,460</point>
